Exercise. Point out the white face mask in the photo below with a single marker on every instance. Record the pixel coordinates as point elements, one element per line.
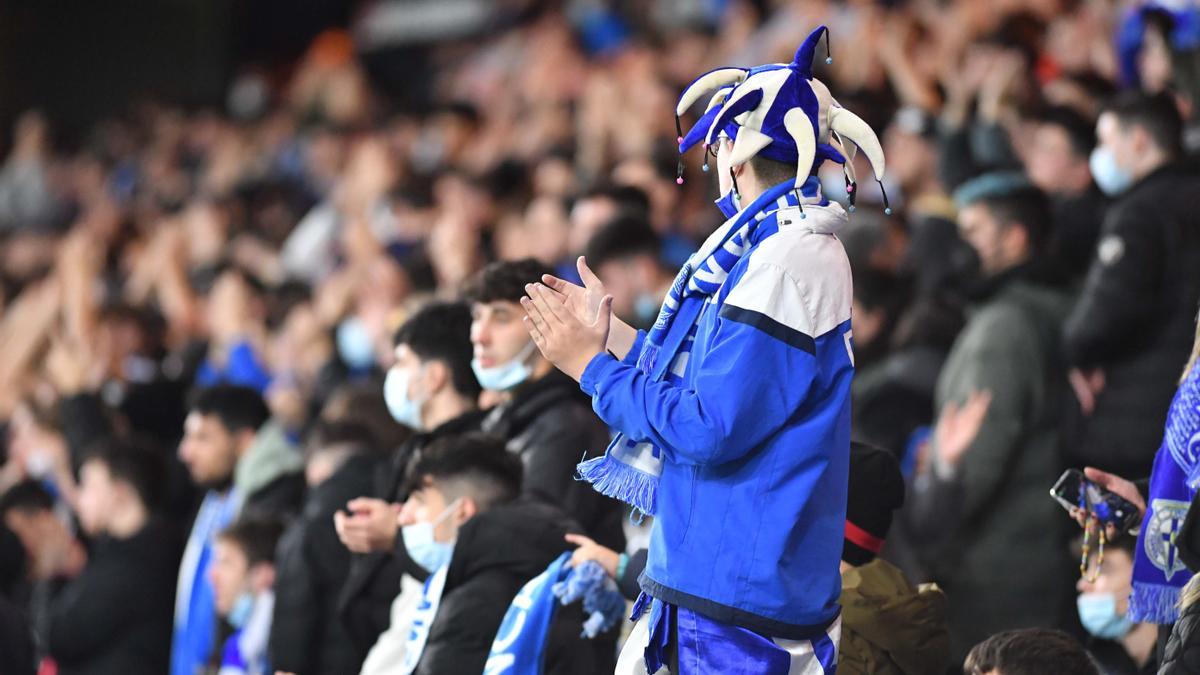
<point>426,551</point>
<point>404,409</point>
<point>506,375</point>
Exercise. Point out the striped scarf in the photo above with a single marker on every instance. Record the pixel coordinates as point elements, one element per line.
<point>629,470</point>
<point>1159,574</point>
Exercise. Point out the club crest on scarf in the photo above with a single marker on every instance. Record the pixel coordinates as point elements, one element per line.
<point>1165,520</point>
<point>781,112</point>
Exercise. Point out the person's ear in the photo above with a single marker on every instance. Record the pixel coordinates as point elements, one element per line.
<point>1016,242</point>
<point>436,375</point>
<point>262,577</point>
<point>467,510</point>
<point>243,440</point>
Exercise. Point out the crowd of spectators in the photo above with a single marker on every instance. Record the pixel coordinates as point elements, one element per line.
<point>199,309</point>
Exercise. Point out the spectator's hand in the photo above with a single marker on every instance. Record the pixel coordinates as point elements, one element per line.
<point>1117,485</point>
<point>565,340</point>
<point>590,550</point>
<point>583,301</point>
<point>71,367</point>
<point>957,427</point>
<point>369,525</point>
<point>1087,386</point>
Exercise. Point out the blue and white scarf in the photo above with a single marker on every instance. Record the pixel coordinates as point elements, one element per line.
<point>520,643</point>
<point>630,468</point>
<point>422,619</point>
<point>1158,574</point>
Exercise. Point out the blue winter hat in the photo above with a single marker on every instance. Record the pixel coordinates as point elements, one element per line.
<point>781,112</point>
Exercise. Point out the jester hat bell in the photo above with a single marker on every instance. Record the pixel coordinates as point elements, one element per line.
<point>781,112</point>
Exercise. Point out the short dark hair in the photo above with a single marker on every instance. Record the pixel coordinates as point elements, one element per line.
<point>1080,131</point>
<point>1012,200</point>
<point>134,462</point>
<point>257,536</point>
<point>1031,651</point>
<point>441,331</point>
<point>623,236</point>
<point>1156,113</point>
<point>26,496</point>
<point>770,172</point>
<point>628,198</point>
<point>473,464</point>
<point>504,281</point>
<point>354,436</point>
<point>238,408</point>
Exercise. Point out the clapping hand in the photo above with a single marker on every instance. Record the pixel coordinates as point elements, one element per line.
<point>565,339</point>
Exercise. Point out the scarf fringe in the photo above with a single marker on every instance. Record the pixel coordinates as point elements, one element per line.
<point>1154,603</point>
<point>613,478</point>
<point>648,358</point>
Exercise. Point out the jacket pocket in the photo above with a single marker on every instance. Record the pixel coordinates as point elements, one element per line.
<point>687,502</point>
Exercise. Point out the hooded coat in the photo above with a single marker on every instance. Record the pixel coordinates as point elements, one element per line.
<point>888,626</point>
<point>496,553</point>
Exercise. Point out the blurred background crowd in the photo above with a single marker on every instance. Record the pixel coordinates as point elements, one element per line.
<point>1025,307</point>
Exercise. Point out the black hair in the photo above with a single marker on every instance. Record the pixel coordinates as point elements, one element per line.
<point>1156,113</point>
<point>770,172</point>
<point>629,199</point>
<point>149,323</point>
<point>1012,200</point>
<point>1031,651</point>
<point>1080,131</point>
<point>257,536</point>
<point>473,464</point>
<point>136,463</point>
<point>238,408</point>
<point>463,110</point>
<point>504,281</point>
<point>441,331</point>
<point>623,236</point>
<point>326,434</point>
<point>26,496</point>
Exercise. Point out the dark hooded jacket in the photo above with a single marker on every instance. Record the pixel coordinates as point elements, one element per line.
<point>889,627</point>
<point>307,636</point>
<point>373,581</point>
<point>496,553</point>
<point>551,426</point>
<point>1136,319</point>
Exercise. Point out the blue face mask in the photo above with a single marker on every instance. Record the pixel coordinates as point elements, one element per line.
<point>506,375</point>
<point>242,608</point>
<point>403,409</point>
<point>646,307</point>
<point>1098,614</point>
<point>1109,176</point>
<point>729,204</point>
<point>418,539</point>
<point>354,344</point>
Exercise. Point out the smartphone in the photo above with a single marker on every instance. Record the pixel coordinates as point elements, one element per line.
<point>1073,491</point>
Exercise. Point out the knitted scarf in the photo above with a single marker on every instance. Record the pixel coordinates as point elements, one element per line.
<point>629,470</point>
<point>1158,573</point>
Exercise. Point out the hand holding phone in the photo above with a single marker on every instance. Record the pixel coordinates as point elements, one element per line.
<point>1088,499</point>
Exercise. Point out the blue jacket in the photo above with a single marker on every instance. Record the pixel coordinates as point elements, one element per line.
<point>755,433</point>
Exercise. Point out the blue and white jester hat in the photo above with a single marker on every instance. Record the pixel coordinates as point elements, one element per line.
<point>781,112</point>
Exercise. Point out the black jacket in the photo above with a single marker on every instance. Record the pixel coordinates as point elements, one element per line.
<point>496,553</point>
<point>551,426</point>
<point>1136,319</point>
<point>1182,654</point>
<point>373,581</point>
<point>281,498</point>
<point>116,616</point>
<point>311,564</point>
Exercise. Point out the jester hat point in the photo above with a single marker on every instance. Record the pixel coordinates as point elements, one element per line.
<point>781,112</point>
